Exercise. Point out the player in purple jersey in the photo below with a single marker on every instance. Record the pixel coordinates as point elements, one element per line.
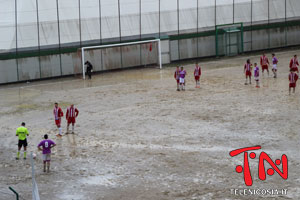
<point>274,63</point>
<point>182,74</point>
<point>256,74</point>
<point>45,146</point>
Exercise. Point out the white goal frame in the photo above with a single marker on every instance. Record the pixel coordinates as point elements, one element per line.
<point>119,45</point>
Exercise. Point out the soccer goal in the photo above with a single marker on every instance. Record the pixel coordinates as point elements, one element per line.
<point>122,55</point>
<point>229,39</point>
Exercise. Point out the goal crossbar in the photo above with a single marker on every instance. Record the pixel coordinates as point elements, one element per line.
<point>118,45</point>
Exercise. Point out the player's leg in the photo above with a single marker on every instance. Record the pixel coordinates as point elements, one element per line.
<point>48,166</point>
<point>59,127</point>
<point>290,90</point>
<point>68,124</point>
<point>246,79</point>
<point>48,159</point>
<point>25,151</point>
<point>19,149</point>
<point>59,130</point>
<point>44,162</point>
<point>294,89</point>
<point>183,85</point>
<point>73,124</point>
<point>268,71</point>
<point>178,85</point>
<point>250,80</point>
<point>58,124</point>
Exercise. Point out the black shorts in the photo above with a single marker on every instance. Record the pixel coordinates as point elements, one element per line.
<point>22,143</point>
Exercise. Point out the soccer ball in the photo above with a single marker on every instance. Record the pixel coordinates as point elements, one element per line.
<point>33,155</point>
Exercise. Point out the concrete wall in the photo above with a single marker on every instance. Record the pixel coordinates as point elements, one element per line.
<point>188,48</point>
<point>8,71</point>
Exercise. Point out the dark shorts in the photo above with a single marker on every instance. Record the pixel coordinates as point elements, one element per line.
<point>294,69</point>
<point>264,67</point>
<point>22,143</point>
<point>58,122</point>
<point>248,73</point>
<point>71,120</point>
<point>292,85</point>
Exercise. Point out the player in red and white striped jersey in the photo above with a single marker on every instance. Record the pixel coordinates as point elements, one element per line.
<point>294,64</point>
<point>71,115</point>
<point>264,63</point>
<point>197,74</point>
<point>248,71</point>
<point>58,113</point>
<point>293,77</point>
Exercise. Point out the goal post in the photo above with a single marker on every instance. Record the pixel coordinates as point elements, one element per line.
<point>122,45</point>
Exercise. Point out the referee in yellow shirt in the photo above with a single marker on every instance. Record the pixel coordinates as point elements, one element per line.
<point>22,132</point>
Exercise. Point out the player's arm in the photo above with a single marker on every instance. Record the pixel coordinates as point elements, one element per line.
<point>260,61</point>
<point>76,111</point>
<point>291,63</point>
<point>39,146</point>
<point>26,132</point>
<point>17,133</point>
<point>67,114</point>
<point>61,113</point>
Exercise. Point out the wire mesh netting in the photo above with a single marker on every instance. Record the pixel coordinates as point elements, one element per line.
<point>37,23</point>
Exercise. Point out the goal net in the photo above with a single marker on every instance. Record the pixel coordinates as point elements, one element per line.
<point>229,39</point>
<point>122,55</point>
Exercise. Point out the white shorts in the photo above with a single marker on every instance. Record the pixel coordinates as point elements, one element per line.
<point>181,80</point>
<point>274,66</point>
<point>46,157</point>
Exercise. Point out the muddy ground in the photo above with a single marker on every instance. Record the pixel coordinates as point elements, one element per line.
<point>137,138</point>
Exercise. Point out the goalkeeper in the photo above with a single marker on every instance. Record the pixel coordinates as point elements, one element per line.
<point>89,69</point>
